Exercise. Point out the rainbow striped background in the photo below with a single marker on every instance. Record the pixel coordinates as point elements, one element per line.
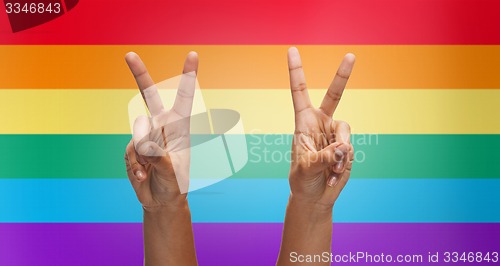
<point>423,103</point>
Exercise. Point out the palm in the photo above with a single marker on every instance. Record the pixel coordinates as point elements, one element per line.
<point>319,150</point>
<point>170,132</point>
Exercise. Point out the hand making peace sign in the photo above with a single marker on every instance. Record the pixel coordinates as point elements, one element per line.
<point>157,157</point>
<point>321,152</point>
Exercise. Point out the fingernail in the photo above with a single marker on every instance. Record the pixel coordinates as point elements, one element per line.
<point>331,181</point>
<point>338,155</point>
<point>339,166</point>
<point>139,174</point>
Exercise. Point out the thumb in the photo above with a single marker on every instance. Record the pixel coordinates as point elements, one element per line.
<point>140,134</point>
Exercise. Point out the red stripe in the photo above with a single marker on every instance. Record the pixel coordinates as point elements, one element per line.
<point>268,22</point>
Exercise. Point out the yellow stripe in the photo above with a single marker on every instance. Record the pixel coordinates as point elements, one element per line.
<point>253,66</point>
<point>263,111</point>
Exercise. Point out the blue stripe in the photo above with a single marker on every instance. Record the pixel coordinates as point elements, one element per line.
<point>253,200</point>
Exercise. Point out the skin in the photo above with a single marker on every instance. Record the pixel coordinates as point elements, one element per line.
<point>321,164</point>
<point>153,168</point>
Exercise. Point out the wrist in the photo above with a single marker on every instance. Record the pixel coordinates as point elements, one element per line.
<point>175,205</point>
<point>314,210</point>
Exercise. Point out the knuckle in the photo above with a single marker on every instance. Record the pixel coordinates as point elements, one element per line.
<point>343,73</point>
<point>348,166</point>
<point>334,95</point>
<point>344,124</point>
<point>299,87</point>
<point>184,94</point>
<point>348,127</point>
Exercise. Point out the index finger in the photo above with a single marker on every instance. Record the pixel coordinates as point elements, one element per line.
<point>146,85</point>
<point>298,86</point>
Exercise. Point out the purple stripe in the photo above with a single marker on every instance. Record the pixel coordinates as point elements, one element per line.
<point>230,244</point>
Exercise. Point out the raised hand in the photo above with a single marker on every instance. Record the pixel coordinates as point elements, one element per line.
<point>158,154</point>
<point>321,150</point>
<point>321,165</point>
<point>157,160</point>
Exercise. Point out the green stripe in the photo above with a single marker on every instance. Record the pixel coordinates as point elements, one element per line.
<point>382,156</point>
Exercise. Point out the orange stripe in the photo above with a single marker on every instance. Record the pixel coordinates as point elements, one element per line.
<point>255,67</point>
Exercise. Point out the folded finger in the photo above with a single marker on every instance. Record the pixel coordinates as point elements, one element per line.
<point>135,171</point>
<point>329,156</point>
